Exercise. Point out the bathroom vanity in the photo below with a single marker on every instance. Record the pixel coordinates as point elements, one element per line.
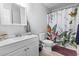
<point>27,45</point>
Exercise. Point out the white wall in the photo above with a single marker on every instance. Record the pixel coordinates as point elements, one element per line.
<point>37,17</point>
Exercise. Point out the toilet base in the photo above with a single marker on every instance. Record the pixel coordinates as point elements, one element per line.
<point>48,48</point>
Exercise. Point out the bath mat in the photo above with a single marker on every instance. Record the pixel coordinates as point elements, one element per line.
<point>64,51</point>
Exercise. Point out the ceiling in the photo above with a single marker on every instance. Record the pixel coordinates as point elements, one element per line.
<point>54,6</point>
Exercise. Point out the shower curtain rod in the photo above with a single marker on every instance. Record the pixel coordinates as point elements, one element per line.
<point>69,6</point>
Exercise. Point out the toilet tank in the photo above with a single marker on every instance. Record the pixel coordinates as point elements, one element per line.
<point>42,36</point>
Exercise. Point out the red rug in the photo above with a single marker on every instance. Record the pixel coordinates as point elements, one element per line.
<point>64,51</point>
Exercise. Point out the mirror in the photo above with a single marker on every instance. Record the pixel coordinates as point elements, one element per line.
<point>12,14</point>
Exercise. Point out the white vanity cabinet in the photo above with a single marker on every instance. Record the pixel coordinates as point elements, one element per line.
<point>27,47</point>
<point>31,50</point>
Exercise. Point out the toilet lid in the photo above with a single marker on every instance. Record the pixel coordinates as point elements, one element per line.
<point>47,41</point>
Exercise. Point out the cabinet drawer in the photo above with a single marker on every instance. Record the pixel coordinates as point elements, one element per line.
<point>18,52</point>
<point>4,50</point>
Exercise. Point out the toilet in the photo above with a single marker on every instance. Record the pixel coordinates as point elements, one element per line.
<point>46,43</point>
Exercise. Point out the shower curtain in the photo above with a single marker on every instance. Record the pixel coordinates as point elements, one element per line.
<point>63,18</point>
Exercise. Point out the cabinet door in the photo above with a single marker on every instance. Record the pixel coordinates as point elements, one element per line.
<point>33,49</point>
<point>18,52</point>
<point>16,19</point>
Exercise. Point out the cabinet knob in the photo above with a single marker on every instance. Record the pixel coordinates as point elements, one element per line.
<point>26,49</point>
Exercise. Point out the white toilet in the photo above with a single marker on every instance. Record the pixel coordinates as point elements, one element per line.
<point>46,43</point>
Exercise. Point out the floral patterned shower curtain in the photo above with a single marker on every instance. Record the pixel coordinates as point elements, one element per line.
<point>63,18</point>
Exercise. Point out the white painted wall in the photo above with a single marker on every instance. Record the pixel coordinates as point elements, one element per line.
<point>37,17</point>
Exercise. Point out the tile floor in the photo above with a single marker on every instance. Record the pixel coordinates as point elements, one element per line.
<point>46,52</point>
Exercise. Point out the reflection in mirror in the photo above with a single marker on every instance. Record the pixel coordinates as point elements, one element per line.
<point>11,13</point>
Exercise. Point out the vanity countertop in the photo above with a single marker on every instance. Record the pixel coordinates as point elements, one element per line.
<point>16,39</point>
